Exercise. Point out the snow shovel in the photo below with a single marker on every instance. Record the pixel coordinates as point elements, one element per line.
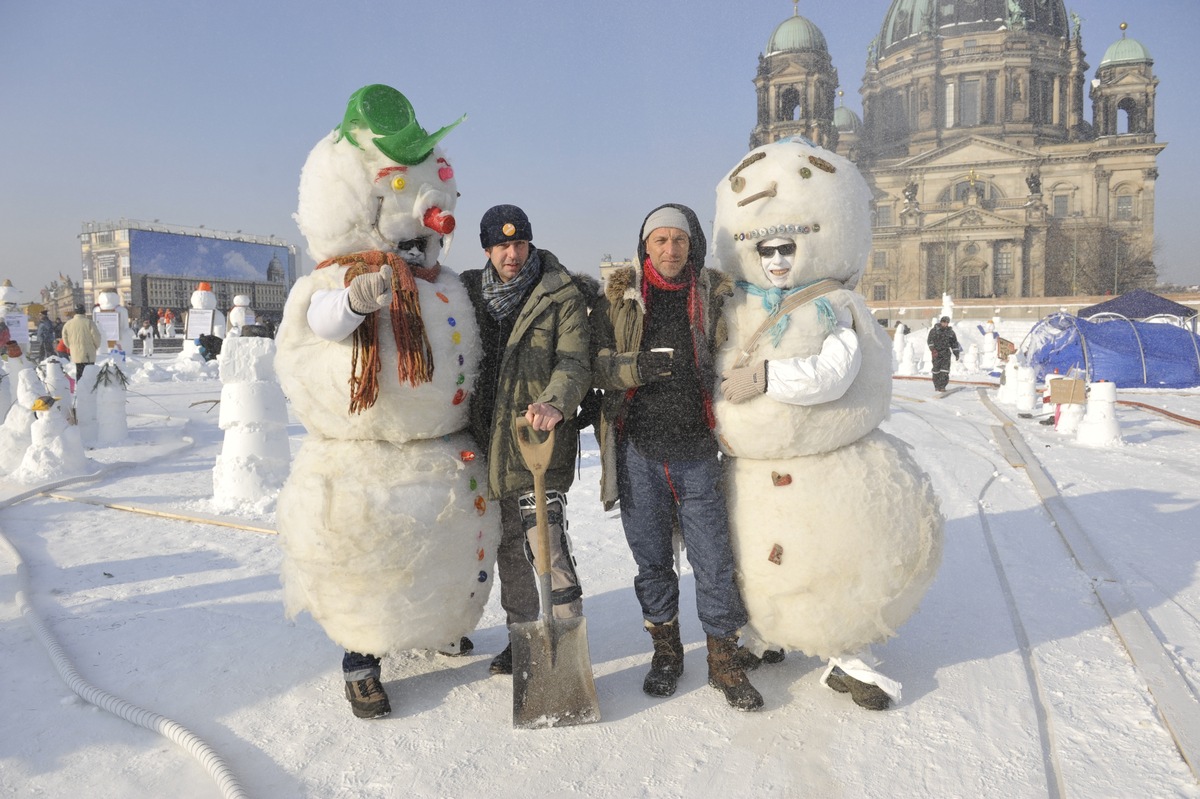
<point>552,670</point>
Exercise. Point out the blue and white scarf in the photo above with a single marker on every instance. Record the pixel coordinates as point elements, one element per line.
<point>773,298</point>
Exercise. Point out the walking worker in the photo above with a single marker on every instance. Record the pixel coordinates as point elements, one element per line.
<point>82,337</point>
<point>45,335</point>
<point>942,343</point>
<point>534,328</point>
<point>653,336</point>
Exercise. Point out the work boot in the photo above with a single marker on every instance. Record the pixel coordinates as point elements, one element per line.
<point>667,664</point>
<point>864,694</point>
<point>367,698</point>
<point>502,663</point>
<point>725,673</point>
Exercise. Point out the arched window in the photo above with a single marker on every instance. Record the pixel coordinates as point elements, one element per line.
<point>789,104</point>
<point>1128,116</point>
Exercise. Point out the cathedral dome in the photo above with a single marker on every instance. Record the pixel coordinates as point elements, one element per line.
<point>796,34</point>
<point>846,120</point>
<point>1126,51</point>
<point>906,20</point>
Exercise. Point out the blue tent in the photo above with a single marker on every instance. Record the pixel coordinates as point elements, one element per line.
<point>1138,304</point>
<point>1130,354</point>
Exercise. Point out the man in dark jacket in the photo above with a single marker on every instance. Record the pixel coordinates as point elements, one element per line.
<point>534,329</point>
<point>45,335</point>
<point>653,335</point>
<point>942,344</point>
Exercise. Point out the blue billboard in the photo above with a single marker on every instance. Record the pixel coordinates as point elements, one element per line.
<point>181,255</point>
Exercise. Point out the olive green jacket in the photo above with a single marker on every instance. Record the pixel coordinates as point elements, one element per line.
<point>616,341</point>
<point>545,360</point>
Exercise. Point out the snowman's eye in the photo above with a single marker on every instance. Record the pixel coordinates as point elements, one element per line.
<point>398,183</point>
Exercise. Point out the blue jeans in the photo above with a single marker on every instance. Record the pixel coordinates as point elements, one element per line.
<point>653,494</point>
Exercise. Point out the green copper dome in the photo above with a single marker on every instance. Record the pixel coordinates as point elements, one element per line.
<point>906,20</point>
<point>845,119</point>
<point>796,34</point>
<point>1125,51</point>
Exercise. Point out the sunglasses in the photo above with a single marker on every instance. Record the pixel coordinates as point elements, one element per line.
<point>786,250</point>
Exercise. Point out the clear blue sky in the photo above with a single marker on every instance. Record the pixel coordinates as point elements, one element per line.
<point>587,114</point>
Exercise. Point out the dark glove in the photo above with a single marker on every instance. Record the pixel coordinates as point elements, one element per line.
<point>933,353</point>
<point>371,291</point>
<point>745,382</point>
<point>654,366</point>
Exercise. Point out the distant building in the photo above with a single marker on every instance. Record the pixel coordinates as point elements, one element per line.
<point>608,265</point>
<point>988,180</point>
<point>154,266</point>
<point>61,297</point>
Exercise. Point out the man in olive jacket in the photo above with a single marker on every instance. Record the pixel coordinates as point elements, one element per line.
<point>653,336</point>
<point>534,328</point>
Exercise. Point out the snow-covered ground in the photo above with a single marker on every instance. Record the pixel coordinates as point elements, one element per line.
<point>1016,683</point>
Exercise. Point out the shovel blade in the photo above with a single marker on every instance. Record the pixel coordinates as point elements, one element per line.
<point>552,674</point>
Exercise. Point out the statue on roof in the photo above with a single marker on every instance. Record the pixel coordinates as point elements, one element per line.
<point>1016,16</point>
<point>1076,25</point>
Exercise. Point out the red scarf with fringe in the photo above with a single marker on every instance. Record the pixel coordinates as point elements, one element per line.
<point>414,358</point>
<point>695,309</point>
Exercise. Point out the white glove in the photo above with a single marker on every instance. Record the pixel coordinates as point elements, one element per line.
<point>371,291</point>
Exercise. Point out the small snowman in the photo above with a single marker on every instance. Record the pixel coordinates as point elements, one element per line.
<point>835,527</point>
<point>113,320</point>
<point>387,536</point>
<point>55,450</point>
<point>240,315</point>
<point>16,432</point>
<point>203,319</point>
<point>254,455</point>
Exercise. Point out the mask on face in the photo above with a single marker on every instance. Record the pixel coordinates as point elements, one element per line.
<point>777,256</point>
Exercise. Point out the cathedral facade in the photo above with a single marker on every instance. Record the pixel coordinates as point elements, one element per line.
<point>990,179</point>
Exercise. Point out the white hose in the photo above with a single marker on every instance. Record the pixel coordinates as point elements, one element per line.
<point>198,749</point>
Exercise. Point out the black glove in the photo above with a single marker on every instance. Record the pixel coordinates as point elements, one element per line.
<point>654,366</point>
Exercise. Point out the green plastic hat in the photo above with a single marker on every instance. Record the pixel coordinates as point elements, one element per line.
<point>388,114</point>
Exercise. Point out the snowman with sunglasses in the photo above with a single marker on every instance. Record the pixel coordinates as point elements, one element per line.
<point>834,526</point>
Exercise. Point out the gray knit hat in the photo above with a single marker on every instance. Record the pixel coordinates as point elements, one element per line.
<point>665,217</point>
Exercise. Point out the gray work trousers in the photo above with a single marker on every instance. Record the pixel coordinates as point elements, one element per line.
<point>514,559</point>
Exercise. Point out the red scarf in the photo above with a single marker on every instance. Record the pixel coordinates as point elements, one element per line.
<point>414,358</point>
<point>695,309</point>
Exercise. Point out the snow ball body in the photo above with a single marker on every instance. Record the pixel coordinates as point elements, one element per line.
<point>835,527</point>
<point>389,546</point>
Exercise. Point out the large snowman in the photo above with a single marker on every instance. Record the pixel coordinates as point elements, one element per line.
<point>836,529</point>
<point>387,535</point>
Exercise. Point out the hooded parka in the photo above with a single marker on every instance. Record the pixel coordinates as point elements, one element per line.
<point>617,326</point>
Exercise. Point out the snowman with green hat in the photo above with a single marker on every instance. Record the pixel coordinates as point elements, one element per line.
<point>387,536</point>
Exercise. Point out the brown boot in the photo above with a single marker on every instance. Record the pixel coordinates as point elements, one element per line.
<point>726,673</point>
<point>367,698</point>
<point>667,664</point>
